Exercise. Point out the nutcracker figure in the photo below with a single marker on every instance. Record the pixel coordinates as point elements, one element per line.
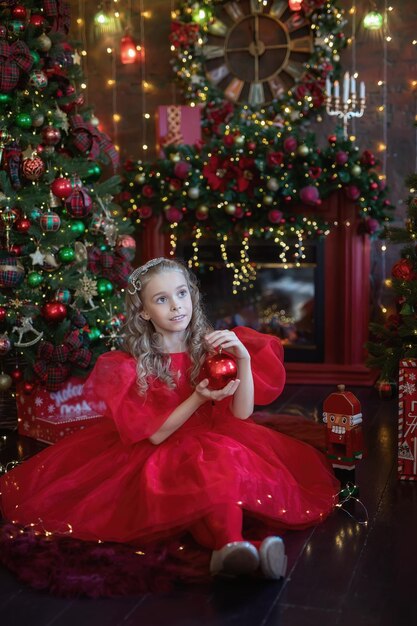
<point>344,441</point>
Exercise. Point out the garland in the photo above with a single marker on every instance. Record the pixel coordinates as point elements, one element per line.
<point>255,181</point>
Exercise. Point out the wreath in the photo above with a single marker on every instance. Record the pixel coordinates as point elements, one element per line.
<point>189,34</point>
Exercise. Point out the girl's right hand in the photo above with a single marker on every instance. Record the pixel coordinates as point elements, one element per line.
<point>216,394</point>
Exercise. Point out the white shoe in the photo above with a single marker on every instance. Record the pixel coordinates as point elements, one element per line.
<point>234,559</point>
<point>273,558</point>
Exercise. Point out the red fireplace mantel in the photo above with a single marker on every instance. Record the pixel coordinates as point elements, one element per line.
<point>347,297</point>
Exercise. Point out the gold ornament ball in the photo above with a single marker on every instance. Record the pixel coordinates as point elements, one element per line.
<point>303,150</point>
<point>5,382</point>
<point>175,157</point>
<point>239,140</point>
<point>203,209</point>
<point>140,178</point>
<point>356,170</point>
<point>230,209</point>
<point>268,200</point>
<point>44,44</point>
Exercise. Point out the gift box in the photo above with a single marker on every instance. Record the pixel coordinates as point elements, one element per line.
<point>407,420</point>
<point>177,125</point>
<point>51,415</point>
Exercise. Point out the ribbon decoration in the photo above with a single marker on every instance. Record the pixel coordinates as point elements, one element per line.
<point>88,139</point>
<point>112,266</point>
<point>54,363</point>
<point>60,13</point>
<point>12,156</point>
<point>174,134</point>
<point>14,59</point>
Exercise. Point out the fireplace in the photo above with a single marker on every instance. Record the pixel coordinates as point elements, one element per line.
<point>286,300</point>
<point>335,281</point>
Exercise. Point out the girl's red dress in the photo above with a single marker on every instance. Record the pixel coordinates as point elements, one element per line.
<point>110,483</point>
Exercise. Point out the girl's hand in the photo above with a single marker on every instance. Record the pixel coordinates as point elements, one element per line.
<point>228,340</point>
<point>216,394</point>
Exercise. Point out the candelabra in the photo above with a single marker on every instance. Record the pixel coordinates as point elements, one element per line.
<point>350,106</point>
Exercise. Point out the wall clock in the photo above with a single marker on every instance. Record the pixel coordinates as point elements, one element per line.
<point>254,52</point>
<point>264,59</point>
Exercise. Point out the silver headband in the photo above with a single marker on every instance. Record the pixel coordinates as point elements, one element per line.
<point>134,279</point>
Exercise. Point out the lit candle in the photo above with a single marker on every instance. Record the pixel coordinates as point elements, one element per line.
<point>328,87</point>
<point>346,87</point>
<point>336,89</point>
<point>362,90</point>
<point>353,85</point>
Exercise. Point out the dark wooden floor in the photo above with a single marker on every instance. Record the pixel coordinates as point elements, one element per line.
<point>340,573</point>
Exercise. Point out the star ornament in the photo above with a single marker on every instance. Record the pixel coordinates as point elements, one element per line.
<point>37,257</point>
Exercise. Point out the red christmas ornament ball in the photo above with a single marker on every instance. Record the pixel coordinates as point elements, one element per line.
<point>310,195</point>
<point>33,168</point>
<point>219,368</point>
<point>19,12</point>
<point>51,135</point>
<point>17,375</point>
<point>61,187</point>
<point>3,314</point>
<point>54,311</point>
<point>28,387</point>
<point>22,225</point>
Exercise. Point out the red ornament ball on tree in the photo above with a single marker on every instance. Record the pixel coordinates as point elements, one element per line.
<point>54,311</point>
<point>220,369</point>
<point>51,135</point>
<point>19,12</point>
<point>3,314</point>
<point>403,270</point>
<point>22,225</point>
<point>61,187</point>
<point>33,168</point>
<point>17,375</point>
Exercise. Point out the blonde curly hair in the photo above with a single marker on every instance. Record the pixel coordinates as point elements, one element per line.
<point>145,344</point>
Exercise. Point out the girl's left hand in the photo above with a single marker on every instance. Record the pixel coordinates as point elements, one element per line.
<point>229,341</point>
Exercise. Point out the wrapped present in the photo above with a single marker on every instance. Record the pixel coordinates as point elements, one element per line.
<point>407,420</point>
<point>177,125</point>
<point>50,415</point>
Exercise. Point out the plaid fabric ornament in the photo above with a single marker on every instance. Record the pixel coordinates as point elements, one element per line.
<point>50,222</point>
<point>79,203</point>
<point>114,267</point>
<point>15,60</point>
<point>12,155</point>
<point>12,272</point>
<point>89,140</point>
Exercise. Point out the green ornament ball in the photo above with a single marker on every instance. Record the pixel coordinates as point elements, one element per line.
<point>104,287</point>
<point>94,172</point>
<point>344,176</point>
<point>66,254</point>
<point>5,98</point>
<point>78,227</point>
<point>63,295</point>
<point>94,334</point>
<point>35,56</point>
<point>23,120</point>
<point>34,279</point>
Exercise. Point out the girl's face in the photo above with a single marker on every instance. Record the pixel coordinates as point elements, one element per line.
<point>167,303</point>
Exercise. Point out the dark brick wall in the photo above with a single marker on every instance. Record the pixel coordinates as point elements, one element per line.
<point>401,69</point>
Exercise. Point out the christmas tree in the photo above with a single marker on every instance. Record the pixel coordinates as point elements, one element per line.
<point>396,338</point>
<point>65,250</point>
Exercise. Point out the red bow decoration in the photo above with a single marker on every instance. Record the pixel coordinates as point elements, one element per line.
<point>54,363</point>
<point>14,59</point>
<point>88,139</point>
<point>58,13</point>
<point>112,266</point>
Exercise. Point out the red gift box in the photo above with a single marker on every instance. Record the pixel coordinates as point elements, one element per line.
<point>50,415</point>
<point>178,125</point>
<point>407,420</point>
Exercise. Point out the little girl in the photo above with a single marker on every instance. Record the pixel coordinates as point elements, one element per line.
<point>172,454</point>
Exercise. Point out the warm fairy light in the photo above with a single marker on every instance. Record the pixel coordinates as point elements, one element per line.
<point>109,50</point>
<point>111,82</point>
<point>381,147</point>
<point>116,117</point>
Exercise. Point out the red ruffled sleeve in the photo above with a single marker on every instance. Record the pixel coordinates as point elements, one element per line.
<point>113,381</point>
<point>267,355</point>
